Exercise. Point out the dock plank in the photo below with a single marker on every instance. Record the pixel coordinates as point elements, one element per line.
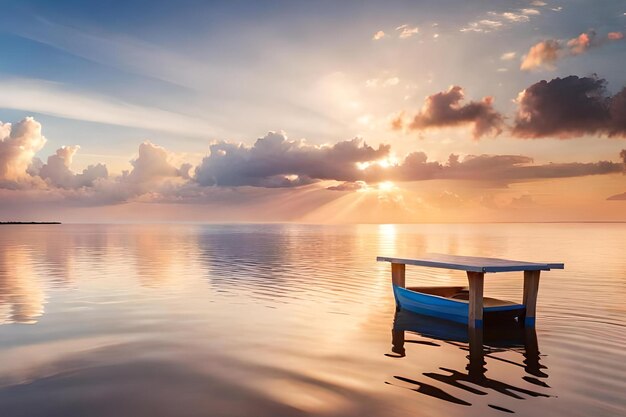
<point>471,263</point>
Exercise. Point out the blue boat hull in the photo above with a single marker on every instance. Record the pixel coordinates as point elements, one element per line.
<point>449,309</point>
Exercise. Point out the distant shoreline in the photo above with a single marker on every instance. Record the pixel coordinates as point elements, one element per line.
<point>1,223</point>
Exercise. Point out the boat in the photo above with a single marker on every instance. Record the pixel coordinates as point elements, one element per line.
<point>452,303</point>
<point>467,304</point>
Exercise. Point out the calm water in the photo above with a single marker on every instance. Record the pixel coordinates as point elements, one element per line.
<point>291,320</point>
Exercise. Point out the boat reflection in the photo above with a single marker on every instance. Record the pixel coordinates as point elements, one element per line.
<point>480,344</point>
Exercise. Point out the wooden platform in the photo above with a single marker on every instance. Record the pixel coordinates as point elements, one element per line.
<point>471,263</point>
<point>475,267</point>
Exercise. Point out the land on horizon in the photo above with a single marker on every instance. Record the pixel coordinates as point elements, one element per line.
<point>30,223</point>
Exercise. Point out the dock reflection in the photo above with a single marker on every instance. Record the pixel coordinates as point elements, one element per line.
<point>480,345</point>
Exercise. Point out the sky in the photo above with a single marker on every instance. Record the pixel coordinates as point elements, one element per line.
<point>313,111</point>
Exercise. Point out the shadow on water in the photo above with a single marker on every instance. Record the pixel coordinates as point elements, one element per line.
<point>480,344</point>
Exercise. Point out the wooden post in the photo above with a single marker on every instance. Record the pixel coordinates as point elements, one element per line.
<point>476,284</point>
<point>398,274</point>
<point>531,289</point>
<point>398,279</point>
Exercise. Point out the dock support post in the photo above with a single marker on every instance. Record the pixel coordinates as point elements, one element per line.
<point>398,279</point>
<point>398,275</point>
<point>476,285</point>
<point>531,289</point>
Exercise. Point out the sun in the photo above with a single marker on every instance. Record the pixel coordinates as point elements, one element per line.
<point>386,186</point>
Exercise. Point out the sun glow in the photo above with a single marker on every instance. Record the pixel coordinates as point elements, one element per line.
<point>386,186</point>
<point>388,162</point>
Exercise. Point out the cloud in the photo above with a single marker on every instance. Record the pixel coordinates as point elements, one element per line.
<point>569,107</point>
<point>448,199</point>
<point>382,82</point>
<point>275,161</point>
<point>499,20</point>
<point>542,55</point>
<point>491,168</point>
<point>57,100</point>
<point>151,173</point>
<point>507,56</point>
<point>407,31</point>
<point>622,196</point>
<point>545,54</point>
<point>152,163</point>
<point>58,173</point>
<point>378,35</point>
<point>349,186</point>
<point>153,177</point>
<point>444,109</point>
<point>482,26</point>
<point>18,145</point>
<point>521,16</point>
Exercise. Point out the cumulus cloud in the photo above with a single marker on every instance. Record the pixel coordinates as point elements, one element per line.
<point>152,163</point>
<point>58,173</point>
<point>545,54</point>
<point>151,174</point>
<point>18,145</point>
<point>445,109</point>
<point>569,107</point>
<point>276,161</point>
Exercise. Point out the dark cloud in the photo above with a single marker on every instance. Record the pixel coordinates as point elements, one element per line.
<point>445,109</point>
<point>275,161</point>
<point>492,168</point>
<point>569,107</point>
<point>349,186</point>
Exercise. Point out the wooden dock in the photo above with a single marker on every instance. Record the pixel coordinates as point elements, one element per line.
<point>476,268</point>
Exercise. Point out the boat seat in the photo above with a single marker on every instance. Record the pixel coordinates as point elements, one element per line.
<point>487,301</point>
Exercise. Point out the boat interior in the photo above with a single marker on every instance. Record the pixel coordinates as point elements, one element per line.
<point>459,294</point>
